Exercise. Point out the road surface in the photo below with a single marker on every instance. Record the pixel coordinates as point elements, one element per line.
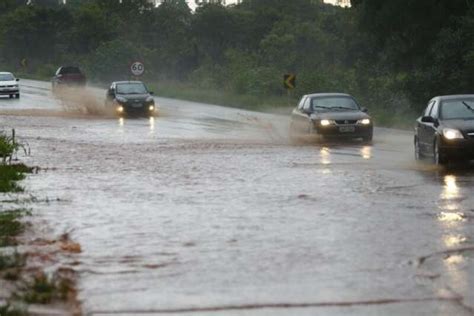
<point>207,210</point>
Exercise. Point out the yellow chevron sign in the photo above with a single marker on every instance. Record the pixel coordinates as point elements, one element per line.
<point>289,81</point>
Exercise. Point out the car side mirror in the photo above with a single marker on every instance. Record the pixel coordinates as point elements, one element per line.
<point>17,79</point>
<point>427,119</point>
<point>111,92</point>
<point>152,93</point>
<point>365,110</point>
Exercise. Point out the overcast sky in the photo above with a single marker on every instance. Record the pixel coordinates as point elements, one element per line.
<point>192,3</point>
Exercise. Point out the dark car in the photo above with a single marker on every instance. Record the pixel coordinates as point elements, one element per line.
<point>331,115</point>
<point>130,97</point>
<point>445,131</point>
<point>68,76</point>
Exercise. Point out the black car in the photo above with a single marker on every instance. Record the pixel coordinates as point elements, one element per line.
<point>130,97</point>
<point>331,115</point>
<point>445,131</point>
<point>68,76</point>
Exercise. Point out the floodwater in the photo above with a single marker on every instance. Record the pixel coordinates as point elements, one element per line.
<point>206,210</point>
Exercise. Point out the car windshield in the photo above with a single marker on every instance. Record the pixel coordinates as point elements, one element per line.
<point>6,77</point>
<point>462,109</point>
<point>69,70</point>
<point>333,104</point>
<point>131,88</point>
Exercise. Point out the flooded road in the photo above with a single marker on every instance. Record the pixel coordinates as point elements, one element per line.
<point>206,210</point>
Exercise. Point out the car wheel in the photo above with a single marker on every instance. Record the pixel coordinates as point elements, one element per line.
<point>418,153</point>
<point>10,96</point>
<point>438,157</point>
<point>368,138</point>
<point>17,95</point>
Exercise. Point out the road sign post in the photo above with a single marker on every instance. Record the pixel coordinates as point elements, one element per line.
<point>289,82</point>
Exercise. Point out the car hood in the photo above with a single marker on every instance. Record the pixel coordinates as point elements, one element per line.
<point>340,115</point>
<point>462,125</point>
<point>134,97</point>
<point>8,83</point>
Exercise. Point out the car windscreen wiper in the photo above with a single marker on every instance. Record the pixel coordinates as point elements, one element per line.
<point>468,106</point>
<point>343,108</point>
<point>321,107</point>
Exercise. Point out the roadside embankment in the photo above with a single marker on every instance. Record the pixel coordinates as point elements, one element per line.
<point>31,280</point>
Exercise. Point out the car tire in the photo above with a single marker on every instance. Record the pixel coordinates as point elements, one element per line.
<point>368,138</point>
<point>17,95</point>
<point>438,157</point>
<point>418,154</point>
<point>10,96</point>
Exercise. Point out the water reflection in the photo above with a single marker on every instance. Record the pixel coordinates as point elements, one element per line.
<point>450,201</point>
<point>325,155</point>
<point>454,259</point>
<point>450,189</point>
<point>453,240</point>
<point>152,124</point>
<point>366,152</point>
<point>121,121</point>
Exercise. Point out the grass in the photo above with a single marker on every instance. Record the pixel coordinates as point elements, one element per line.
<point>9,310</point>
<point>14,260</point>
<point>10,226</point>
<point>44,290</point>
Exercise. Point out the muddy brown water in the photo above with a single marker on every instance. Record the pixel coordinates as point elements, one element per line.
<point>207,210</point>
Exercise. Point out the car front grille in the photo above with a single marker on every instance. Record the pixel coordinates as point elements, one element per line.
<point>470,135</point>
<point>345,122</point>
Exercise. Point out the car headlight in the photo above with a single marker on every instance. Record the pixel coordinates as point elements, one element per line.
<point>450,133</point>
<point>327,122</point>
<point>121,99</point>
<point>365,121</point>
<point>151,108</point>
<point>119,109</point>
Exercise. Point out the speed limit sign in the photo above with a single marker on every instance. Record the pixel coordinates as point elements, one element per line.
<point>137,68</point>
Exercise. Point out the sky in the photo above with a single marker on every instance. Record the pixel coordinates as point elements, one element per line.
<point>192,3</point>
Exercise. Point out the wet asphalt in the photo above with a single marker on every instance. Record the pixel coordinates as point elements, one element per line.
<point>207,210</point>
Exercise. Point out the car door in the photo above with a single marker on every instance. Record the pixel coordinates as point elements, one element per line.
<point>422,127</point>
<point>431,128</point>
<point>297,115</point>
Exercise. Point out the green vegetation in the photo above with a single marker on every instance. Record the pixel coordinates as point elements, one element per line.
<point>392,55</point>
<point>9,310</point>
<point>44,290</point>
<point>11,226</point>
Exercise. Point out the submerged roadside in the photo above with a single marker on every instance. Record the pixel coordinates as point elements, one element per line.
<point>32,282</point>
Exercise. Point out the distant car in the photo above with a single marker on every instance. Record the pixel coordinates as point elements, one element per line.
<point>68,76</point>
<point>130,97</point>
<point>331,115</point>
<point>9,85</point>
<point>445,130</point>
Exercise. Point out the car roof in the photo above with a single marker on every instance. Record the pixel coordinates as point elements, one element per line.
<point>453,97</point>
<point>131,81</point>
<point>333,94</point>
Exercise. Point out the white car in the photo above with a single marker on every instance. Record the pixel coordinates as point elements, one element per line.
<point>9,85</point>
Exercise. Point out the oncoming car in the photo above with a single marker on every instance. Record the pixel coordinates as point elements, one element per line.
<point>130,97</point>
<point>68,76</point>
<point>331,115</point>
<point>445,131</point>
<point>9,85</point>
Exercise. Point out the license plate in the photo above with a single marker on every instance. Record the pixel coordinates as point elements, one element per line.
<point>347,129</point>
<point>137,105</point>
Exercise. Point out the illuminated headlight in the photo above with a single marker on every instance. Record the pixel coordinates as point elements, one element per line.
<point>365,121</point>
<point>450,134</point>
<point>327,122</point>
<point>151,108</point>
<point>119,109</point>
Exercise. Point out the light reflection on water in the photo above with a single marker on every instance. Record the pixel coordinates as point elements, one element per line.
<point>450,201</point>
<point>453,240</point>
<point>152,124</point>
<point>366,152</point>
<point>325,155</point>
<point>121,121</point>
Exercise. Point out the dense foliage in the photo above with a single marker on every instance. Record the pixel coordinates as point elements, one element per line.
<point>392,54</point>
